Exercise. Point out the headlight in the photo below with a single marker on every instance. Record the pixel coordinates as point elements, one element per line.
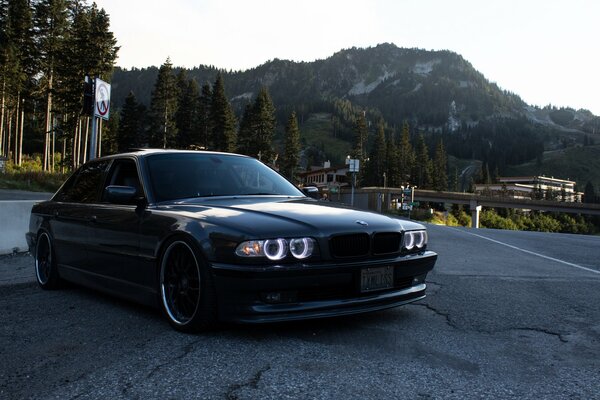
<point>414,239</point>
<point>251,248</point>
<point>301,248</point>
<point>276,249</point>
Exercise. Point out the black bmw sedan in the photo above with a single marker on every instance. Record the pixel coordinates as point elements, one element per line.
<point>212,237</point>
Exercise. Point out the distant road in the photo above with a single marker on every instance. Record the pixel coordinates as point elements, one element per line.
<point>508,315</point>
<point>8,194</point>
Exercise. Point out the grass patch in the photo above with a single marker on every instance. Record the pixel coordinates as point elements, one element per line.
<point>33,181</point>
<point>318,131</point>
<point>580,164</point>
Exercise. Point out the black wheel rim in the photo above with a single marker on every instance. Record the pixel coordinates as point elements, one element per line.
<point>43,259</point>
<point>180,283</point>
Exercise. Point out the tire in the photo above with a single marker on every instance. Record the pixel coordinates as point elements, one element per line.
<point>186,288</point>
<point>46,271</point>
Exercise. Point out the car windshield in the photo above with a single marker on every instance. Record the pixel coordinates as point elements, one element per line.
<point>185,175</point>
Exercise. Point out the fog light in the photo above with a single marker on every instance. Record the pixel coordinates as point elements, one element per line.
<point>417,280</point>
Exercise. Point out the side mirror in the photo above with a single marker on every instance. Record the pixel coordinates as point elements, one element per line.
<point>311,191</point>
<point>120,194</point>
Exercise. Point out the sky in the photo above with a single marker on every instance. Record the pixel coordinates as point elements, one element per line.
<point>546,51</point>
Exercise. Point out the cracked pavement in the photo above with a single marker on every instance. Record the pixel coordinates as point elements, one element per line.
<point>497,323</point>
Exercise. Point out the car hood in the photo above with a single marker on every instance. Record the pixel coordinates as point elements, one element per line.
<point>263,216</point>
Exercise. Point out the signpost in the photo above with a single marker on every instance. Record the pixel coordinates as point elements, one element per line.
<point>353,168</point>
<point>101,105</point>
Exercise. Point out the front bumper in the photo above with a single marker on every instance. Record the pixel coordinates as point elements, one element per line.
<point>315,291</point>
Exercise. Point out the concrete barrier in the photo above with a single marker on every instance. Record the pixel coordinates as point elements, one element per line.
<point>14,223</point>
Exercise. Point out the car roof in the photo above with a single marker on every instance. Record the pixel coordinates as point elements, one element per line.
<point>141,153</point>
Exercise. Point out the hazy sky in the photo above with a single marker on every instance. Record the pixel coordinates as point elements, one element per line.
<point>546,51</point>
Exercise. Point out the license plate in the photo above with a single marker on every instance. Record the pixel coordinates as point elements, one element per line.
<point>379,278</point>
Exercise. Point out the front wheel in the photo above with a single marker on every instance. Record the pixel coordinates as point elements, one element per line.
<point>186,288</point>
<point>46,271</point>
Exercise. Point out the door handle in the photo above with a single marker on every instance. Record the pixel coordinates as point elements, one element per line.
<point>93,219</point>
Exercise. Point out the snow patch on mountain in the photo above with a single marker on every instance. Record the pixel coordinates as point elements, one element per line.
<point>363,88</point>
<point>426,67</point>
<point>243,96</point>
<point>417,88</point>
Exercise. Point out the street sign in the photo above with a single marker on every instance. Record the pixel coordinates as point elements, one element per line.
<point>353,165</point>
<point>415,204</point>
<point>102,103</point>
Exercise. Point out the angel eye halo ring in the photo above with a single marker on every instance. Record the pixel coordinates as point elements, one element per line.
<point>277,249</point>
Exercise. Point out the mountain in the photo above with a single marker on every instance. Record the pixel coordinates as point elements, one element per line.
<point>438,92</point>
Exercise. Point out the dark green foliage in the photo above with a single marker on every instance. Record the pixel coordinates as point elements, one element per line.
<point>47,48</point>
<point>257,128</point>
<point>376,167</point>
<point>290,162</point>
<point>131,125</point>
<point>186,118</point>
<point>361,135</point>
<point>422,172</point>
<point>163,108</point>
<point>440,168</point>
<point>406,156</point>
<point>203,126</point>
<point>589,194</point>
<point>223,121</point>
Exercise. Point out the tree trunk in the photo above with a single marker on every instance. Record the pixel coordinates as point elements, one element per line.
<point>20,156</point>
<point>48,122</point>
<point>17,119</point>
<point>2,117</point>
<point>75,144</point>
<point>64,155</point>
<point>53,140</point>
<point>85,142</point>
<point>9,135</point>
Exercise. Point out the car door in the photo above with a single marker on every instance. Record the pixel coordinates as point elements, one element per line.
<point>115,230</point>
<point>73,209</point>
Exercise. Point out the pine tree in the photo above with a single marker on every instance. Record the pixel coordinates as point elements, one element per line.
<point>130,132</point>
<point>376,167</point>
<point>360,137</point>
<point>51,20</point>
<point>406,157</point>
<point>17,69</point>
<point>245,134</point>
<point>185,117</point>
<point>202,124</point>
<point>393,174</point>
<point>262,123</point>
<point>223,122</point>
<point>422,172</point>
<point>291,157</point>
<point>163,107</point>
<point>440,167</point>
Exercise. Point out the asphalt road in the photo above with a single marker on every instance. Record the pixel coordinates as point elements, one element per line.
<point>509,315</point>
<point>9,194</point>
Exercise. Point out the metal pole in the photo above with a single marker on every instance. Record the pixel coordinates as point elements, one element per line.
<point>353,183</point>
<point>93,138</point>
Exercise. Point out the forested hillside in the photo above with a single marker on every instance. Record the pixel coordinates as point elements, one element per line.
<point>438,93</point>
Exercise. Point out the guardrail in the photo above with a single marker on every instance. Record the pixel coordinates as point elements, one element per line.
<point>14,223</point>
<point>380,199</point>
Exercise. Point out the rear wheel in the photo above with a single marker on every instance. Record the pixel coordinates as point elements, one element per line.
<point>186,288</point>
<point>46,271</point>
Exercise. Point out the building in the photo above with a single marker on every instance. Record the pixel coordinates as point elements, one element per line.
<point>326,178</point>
<point>531,187</point>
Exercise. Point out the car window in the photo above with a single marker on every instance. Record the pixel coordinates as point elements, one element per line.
<point>84,185</point>
<point>178,176</point>
<point>124,173</point>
